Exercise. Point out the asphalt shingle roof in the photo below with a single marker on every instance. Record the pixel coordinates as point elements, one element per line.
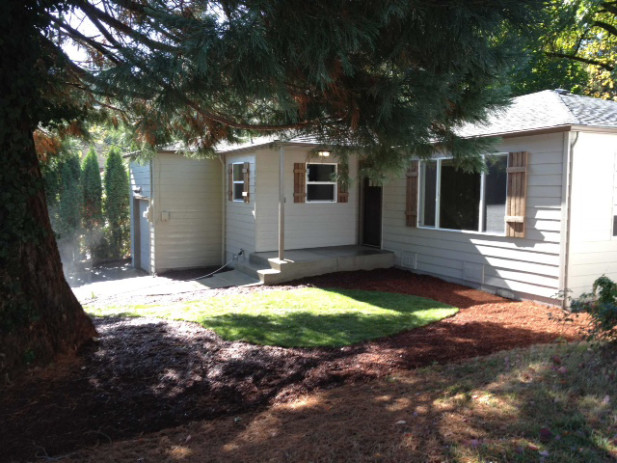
<point>546,109</point>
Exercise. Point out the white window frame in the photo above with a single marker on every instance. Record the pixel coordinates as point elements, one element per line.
<point>333,182</point>
<point>235,182</point>
<point>437,226</point>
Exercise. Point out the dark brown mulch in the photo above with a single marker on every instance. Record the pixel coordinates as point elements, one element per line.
<point>147,374</point>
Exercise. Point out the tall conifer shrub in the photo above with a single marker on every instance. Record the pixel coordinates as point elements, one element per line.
<point>116,204</point>
<point>92,213</point>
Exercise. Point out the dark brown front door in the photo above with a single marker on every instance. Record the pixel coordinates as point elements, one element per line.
<point>371,214</point>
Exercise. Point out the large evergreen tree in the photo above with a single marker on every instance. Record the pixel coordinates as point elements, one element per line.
<point>389,76</point>
<point>116,204</point>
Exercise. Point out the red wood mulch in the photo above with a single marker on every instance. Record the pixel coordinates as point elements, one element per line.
<point>147,374</point>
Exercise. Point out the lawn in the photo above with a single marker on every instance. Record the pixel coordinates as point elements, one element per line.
<point>307,317</point>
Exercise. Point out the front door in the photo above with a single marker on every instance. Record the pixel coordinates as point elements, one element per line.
<point>371,214</point>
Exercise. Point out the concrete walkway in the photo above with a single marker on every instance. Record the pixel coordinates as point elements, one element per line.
<point>115,285</point>
<point>227,279</point>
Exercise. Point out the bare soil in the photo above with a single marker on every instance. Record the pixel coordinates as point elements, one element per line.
<point>144,375</point>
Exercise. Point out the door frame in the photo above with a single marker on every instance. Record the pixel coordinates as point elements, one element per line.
<point>363,183</point>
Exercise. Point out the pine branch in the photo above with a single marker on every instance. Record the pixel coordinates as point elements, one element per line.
<point>87,41</point>
<point>93,12</point>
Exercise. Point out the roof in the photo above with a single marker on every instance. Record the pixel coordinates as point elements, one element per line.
<point>543,110</point>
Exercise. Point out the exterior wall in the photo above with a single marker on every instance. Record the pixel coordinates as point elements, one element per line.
<point>140,177</point>
<point>307,225</point>
<point>593,249</point>
<point>508,266</point>
<point>186,212</point>
<point>240,216</point>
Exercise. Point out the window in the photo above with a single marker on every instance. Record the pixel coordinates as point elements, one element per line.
<point>455,200</point>
<point>321,183</point>
<point>237,177</point>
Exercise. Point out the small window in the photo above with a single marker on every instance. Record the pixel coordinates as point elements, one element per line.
<point>321,183</point>
<point>615,225</point>
<point>238,181</point>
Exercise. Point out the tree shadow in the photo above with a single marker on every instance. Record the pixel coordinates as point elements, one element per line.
<point>146,374</point>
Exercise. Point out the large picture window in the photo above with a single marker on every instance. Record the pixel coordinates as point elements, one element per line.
<point>455,200</point>
<point>321,183</point>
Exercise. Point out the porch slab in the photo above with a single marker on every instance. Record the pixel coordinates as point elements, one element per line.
<point>300,263</point>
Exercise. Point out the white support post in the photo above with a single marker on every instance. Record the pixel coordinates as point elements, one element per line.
<point>281,230</point>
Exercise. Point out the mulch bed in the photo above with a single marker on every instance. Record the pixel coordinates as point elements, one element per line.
<point>146,374</point>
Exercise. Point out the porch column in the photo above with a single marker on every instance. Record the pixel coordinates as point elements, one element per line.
<point>281,234</point>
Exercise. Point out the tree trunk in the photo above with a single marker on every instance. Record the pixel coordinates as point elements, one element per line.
<point>39,315</point>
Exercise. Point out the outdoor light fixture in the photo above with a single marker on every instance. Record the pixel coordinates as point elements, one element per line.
<point>323,154</point>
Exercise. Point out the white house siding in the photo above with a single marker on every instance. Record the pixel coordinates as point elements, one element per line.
<point>509,266</point>
<point>187,212</point>
<point>240,224</point>
<point>307,225</point>
<point>140,179</point>
<point>593,249</point>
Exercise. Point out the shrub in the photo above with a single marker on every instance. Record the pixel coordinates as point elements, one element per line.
<point>92,215</point>
<point>116,205</point>
<point>601,304</point>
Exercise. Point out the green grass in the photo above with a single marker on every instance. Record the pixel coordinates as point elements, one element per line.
<point>300,318</point>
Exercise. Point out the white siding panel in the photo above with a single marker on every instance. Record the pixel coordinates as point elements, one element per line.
<point>307,225</point>
<point>529,266</point>
<point>140,177</point>
<point>592,248</point>
<point>187,214</point>
<point>241,224</point>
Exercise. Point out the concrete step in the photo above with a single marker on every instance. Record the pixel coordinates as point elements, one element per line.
<point>258,261</point>
<point>227,279</point>
<point>250,268</point>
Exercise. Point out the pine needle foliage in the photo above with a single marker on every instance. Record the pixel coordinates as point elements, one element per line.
<point>116,204</point>
<point>92,192</point>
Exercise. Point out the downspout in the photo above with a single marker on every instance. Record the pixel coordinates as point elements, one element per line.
<point>569,143</point>
<point>223,160</point>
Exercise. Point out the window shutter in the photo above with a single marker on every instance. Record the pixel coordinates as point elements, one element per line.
<point>517,194</point>
<point>411,203</point>
<point>246,176</point>
<point>299,182</point>
<point>342,186</point>
<point>230,182</point>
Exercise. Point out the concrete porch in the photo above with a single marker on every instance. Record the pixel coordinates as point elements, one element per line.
<point>300,263</point>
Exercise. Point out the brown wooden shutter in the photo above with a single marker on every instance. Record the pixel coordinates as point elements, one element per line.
<point>411,203</point>
<point>246,177</point>
<point>517,194</point>
<point>230,182</point>
<point>342,186</point>
<point>299,182</point>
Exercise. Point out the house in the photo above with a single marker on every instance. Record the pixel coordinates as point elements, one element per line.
<point>540,220</point>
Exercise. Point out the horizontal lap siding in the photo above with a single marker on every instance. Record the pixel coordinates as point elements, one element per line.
<point>307,225</point>
<point>140,178</point>
<point>188,192</point>
<point>593,249</point>
<point>240,225</point>
<point>140,182</point>
<point>529,265</point>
